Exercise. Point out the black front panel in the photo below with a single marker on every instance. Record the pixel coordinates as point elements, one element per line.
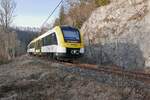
<point>73,51</point>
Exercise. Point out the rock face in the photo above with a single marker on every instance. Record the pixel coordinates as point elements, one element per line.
<point>120,34</point>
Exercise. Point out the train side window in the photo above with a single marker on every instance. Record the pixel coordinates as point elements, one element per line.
<point>50,40</point>
<point>53,39</point>
<point>31,45</point>
<point>44,41</point>
<point>38,44</point>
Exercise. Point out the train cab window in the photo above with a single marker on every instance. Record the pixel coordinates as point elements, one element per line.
<point>71,34</point>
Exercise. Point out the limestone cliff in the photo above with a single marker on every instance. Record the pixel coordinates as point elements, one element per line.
<point>120,33</point>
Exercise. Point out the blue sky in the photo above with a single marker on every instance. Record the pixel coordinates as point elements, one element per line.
<point>32,13</point>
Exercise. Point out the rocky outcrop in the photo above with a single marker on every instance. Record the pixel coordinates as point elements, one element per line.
<point>120,34</point>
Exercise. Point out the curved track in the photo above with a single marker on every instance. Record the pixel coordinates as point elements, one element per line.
<point>114,70</point>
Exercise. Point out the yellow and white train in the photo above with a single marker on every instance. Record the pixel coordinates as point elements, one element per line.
<point>59,42</point>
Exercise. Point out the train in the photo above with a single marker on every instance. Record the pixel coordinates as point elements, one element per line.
<point>58,42</point>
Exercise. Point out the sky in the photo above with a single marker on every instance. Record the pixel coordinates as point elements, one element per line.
<point>32,13</point>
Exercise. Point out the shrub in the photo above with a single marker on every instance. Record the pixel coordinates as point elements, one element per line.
<point>102,2</point>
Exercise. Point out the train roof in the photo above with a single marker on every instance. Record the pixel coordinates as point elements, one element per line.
<point>43,35</point>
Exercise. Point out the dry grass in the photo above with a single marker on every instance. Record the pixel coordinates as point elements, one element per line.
<point>28,78</point>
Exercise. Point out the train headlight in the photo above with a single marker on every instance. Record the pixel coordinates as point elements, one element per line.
<point>82,50</point>
<point>72,52</point>
<point>75,52</point>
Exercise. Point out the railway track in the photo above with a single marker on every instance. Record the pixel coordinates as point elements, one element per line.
<point>141,76</point>
<point>113,70</point>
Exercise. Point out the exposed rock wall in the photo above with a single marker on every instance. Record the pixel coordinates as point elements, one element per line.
<point>120,34</point>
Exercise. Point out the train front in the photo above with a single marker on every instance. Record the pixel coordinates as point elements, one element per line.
<point>71,42</point>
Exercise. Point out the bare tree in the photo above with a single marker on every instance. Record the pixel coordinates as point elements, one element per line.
<point>9,39</point>
<point>80,11</point>
<point>7,8</point>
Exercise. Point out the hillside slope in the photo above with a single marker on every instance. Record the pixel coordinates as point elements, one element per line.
<point>120,33</point>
